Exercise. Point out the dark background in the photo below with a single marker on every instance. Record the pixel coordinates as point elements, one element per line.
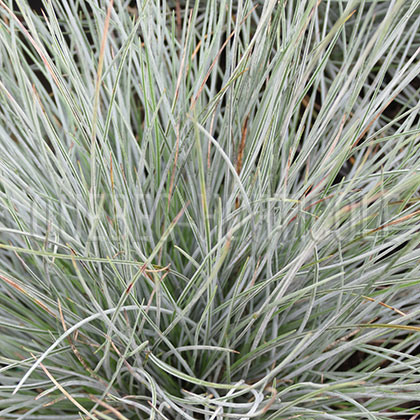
<point>36,5</point>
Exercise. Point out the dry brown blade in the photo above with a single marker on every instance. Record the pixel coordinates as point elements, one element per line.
<point>64,392</point>
<point>123,172</point>
<point>131,284</point>
<point>111,171</point>
<point>178,17</point>
<point>107,406</point>
<point>133,10</point>
<point>349,335</point>
<point>197,48</point>
<point>241,153</point>
<point>394,222</point>
<point>143,270</point>
<point>102,49</point>
<point>127,365</point>
<point>14,285</point>
<point>54,401</point>
<point>32,41</point>
<point>157,410</point>
<point>96,99</point>
<point>6,21</point>
<point>242,146</point>
<point>340,340</point>
<point>23,291</point>
<point>254,276</point>
<point>272,400</point>
<point>171,185</point>
<point>117,253</point>
<point>385,305</point>
<point>158,270</point>
<point>306,100</point>
<point>347,208</point>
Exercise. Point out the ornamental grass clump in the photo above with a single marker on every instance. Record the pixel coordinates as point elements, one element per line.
<point>210,209</point>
